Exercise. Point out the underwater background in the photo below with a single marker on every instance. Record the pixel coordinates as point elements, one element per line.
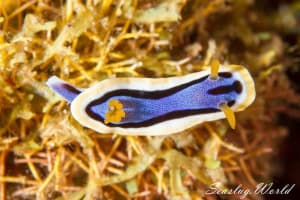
<point>46,154</point>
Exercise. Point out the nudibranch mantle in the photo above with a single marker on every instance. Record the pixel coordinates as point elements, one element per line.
<point>158,106</point>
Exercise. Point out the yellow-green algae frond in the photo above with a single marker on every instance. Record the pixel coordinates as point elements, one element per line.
<point>46,154</point>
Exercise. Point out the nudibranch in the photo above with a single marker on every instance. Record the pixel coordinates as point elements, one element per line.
<point>159,106</point>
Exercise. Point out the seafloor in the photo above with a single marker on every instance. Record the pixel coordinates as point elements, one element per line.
<point>46,154</point>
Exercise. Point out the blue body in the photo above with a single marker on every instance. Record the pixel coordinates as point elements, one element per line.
<point>139,109</point>
<point>194,97</point>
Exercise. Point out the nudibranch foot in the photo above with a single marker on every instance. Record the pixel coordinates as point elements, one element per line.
<point>64,89</point>
<point>160,106</point>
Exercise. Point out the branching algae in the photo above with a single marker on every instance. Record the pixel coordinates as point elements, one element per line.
<point>140,61</point>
